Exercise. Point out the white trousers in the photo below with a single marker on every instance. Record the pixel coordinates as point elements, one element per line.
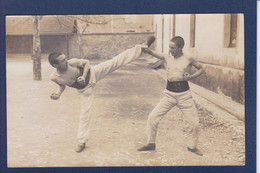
<point>97,73</point>
<point>184,102</point>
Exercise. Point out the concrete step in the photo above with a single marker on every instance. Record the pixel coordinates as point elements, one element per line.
<point>225,103</point>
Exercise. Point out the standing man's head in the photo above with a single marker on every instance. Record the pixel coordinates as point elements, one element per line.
<point>176,45</point>
<point>58,61</point>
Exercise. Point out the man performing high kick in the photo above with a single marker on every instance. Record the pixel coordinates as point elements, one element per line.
<point>78,73</point>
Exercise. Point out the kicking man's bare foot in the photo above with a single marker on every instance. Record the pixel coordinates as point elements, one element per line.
<point>148,147</point>
<point>149,41</point>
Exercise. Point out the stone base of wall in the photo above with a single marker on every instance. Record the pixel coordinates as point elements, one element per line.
<point>228,82</point>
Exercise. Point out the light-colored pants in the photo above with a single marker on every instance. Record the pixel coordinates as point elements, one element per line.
<point>184,102</point>
<point>97,73</point>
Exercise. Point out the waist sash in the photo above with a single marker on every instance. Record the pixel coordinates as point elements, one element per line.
<point>177,86</point>
<point>77,85</point>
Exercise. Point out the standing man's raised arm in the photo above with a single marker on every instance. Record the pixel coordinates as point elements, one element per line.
<point>154,53</point>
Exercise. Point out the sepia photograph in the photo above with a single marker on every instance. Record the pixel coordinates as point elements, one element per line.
<point>125,90</point>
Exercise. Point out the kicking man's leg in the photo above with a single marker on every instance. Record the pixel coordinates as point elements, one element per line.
<point>124,58</point>
<point>86,99</point>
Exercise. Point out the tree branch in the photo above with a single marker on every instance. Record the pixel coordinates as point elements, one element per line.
<point>98,23</point>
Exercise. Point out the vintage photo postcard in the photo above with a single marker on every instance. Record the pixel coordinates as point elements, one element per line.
<point>130,91</point>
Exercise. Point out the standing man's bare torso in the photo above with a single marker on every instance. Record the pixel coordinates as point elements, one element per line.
<point>176,67</point>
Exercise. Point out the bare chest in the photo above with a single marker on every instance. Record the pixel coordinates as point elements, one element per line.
<point>178,65</point>
<point>68,77</point>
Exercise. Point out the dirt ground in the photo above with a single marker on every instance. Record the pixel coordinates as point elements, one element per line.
<point>43,133</point>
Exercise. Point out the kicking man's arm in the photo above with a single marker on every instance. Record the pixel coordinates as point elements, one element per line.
<point>199,71</point>
<point>85,64</point>
<point>154,53</point>
<point>57,94</point>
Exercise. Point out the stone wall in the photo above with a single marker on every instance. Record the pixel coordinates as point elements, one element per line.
<point>105,46</point>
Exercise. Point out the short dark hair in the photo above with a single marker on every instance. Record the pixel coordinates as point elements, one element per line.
<point>178,40</point>
<point>53,57</point>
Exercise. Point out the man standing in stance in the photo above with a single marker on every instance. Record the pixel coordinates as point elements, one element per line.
<point>177,93</point>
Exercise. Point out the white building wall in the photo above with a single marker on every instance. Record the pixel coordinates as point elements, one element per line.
<point>183,28</point>
<point>166,33</point>
<point>158,31</point>
<point>171,26</point>
<point>209,38</point>
<point>209,32</point>
<point>241,40</point>
<point>209,41</point>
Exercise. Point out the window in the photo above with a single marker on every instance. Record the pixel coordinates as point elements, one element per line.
<point>192,30</point>
<point>233,30</point>
<point>230,30</point>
